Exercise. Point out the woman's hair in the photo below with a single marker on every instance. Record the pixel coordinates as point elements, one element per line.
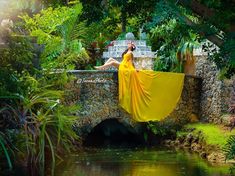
<point>132,49</point>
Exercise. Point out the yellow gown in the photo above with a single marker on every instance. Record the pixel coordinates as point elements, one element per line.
<point>145,94</point>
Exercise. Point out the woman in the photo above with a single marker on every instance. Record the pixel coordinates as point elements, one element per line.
<point>112,62</point>
<point>145,94</point>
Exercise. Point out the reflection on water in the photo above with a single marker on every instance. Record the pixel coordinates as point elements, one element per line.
<point>136,162</point>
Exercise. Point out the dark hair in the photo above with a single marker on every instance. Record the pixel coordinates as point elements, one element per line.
<point>132,49</point>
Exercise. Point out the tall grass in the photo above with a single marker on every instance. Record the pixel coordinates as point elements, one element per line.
<point>44,122</point>
<point>5,150</point>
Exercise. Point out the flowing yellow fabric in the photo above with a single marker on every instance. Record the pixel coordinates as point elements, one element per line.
<point>145,94</point>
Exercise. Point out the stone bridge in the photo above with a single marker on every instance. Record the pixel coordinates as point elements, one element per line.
<point>97,94</point>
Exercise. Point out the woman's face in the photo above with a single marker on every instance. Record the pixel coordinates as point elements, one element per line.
<point>129,45</point>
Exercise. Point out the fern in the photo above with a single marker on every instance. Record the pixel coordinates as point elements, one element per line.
<point>229,148</point>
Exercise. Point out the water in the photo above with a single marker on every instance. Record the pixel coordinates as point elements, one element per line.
<point>136,162</point>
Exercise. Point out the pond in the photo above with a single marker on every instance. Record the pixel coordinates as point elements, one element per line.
<point>136,162</point>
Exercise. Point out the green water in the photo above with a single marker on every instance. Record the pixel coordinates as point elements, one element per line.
<point>137,162</point>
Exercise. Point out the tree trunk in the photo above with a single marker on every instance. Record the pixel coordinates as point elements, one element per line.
<point>123,18</point>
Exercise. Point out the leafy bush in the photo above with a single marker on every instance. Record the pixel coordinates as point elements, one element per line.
<point>43,121</point>
<point>61,34</point>
<point>168,35</point>
<point>165,128</point>
<point>33,99</point>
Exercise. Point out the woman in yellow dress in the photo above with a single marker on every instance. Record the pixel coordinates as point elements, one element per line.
<point>145,94</point>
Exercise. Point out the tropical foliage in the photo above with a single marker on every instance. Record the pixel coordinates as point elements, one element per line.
<point>33,100</point>
<point>229,149</point>
<point>4,149</point>
<point>47,36</point>
<point>176,22</point>
<point>61,34</point>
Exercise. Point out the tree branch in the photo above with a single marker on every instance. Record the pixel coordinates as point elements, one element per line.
<point>198,8</point>
<point>213,38</point>
<point>203,11</point>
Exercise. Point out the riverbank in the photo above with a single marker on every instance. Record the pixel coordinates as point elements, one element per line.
<point>208,140</point>
<point>150,161</point>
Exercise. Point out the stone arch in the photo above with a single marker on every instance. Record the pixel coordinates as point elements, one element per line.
<point>114,131</point>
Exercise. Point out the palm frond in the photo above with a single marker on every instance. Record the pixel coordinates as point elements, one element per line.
<point>79,31</point>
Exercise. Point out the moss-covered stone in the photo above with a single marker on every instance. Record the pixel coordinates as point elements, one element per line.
<point>205,139</point>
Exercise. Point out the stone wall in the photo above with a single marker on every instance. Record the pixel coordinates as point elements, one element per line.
<point>189,105</point>
<point>215,94</point>
<point>98,97</point>
<point>204,97</point>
